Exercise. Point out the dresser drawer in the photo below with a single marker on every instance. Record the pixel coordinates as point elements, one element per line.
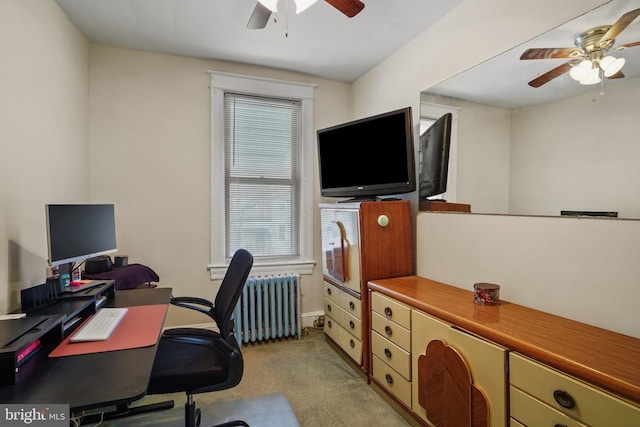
<point>532,412</point>
<point>392,381</point>
<point>391,309</point>
<point>570,396</point>
<point>351,345</point>
<point>392,331</point>
<point>347,320</point>
<point>393,355</point>
<point>347,301</point>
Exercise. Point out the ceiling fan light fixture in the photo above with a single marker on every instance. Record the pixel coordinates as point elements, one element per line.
<point>592,78</point>
<point>611,65</point>
<point>582,70</point>
<point>302,5</point>
<point>272,5</point>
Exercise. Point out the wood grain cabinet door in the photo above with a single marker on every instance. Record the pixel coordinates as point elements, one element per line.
<point>456,375</point>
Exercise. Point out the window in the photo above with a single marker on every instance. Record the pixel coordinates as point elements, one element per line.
<point>261,180</point>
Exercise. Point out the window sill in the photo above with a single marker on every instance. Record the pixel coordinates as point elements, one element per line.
<point>218,271</point>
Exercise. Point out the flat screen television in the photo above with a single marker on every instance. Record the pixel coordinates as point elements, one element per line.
<point>367,158</point>
<point>78,232</point>
<point>433,158</point>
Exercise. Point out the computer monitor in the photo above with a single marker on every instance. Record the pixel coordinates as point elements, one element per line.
<point>78,232</point>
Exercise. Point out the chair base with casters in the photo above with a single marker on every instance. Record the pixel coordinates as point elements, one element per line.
<point>196,360</point>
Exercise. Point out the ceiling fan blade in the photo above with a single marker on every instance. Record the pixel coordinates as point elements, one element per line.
<point>620,25</point>
<point>628,45</point>
<point>552,52</point>
<point>618,75</point>
<point>550,75</point>
<point>349,7</point>
<point>259,17</point>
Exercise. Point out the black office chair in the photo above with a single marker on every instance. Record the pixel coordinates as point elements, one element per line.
<point>197,360</point>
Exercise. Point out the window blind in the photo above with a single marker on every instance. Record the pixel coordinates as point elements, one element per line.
<point>262,137</point>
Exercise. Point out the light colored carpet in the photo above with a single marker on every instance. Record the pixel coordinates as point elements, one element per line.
<point>321,388</point>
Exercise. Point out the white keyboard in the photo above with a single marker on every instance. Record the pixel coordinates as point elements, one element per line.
<point>100,326</point>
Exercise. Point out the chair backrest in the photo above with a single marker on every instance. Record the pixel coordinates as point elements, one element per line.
<point>231,289</point>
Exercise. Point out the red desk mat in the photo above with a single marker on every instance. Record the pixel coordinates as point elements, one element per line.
<point>140,327</point>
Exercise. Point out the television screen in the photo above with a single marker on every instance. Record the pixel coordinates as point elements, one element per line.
<point>369,157</point>
<point>434,158</point>
<point>77,232</point>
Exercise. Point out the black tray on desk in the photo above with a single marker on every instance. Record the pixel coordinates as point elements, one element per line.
<point>20,339</point>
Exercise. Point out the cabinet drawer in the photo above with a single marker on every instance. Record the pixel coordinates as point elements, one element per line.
<point>531,412</point>
<point>391,354</point>
<point>515,423</point>
<point>392,331</point>
<point>348,302</point>
<point>581,401</point>
<point>351,345</point>
<point>343,318</point>
<point>391,309</point>
<point>392,381</point>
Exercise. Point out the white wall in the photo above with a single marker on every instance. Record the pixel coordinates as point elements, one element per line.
<point>150,155</point>
<point>580,268</point>
<point>578,154</point>
<point>448,244</point>
<point>44,83</point>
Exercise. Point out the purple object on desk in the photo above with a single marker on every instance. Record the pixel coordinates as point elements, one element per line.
<point>129,277</point>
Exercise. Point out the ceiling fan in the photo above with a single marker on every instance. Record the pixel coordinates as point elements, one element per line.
<point>590,58</point>
<point>262,12</point>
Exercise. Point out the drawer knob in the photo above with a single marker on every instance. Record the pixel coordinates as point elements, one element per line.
<point>383,220</point>
<point>389,379</point>
<point>388,331</point>
<point>351,324</point>
<point>352,343</point>
<point>328,307</point>
<point>564,399</point>
<point>387,311</point>
<point>351,305</point>
<point>387,353</point>
<point>328,291</point>
<point>329,323</point>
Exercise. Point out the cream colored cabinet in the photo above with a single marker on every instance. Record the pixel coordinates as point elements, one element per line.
<point>391,346</point>
<point>560,399</point>
<point>458,378</point>
<point>343,323</point>
<point>360,242</point>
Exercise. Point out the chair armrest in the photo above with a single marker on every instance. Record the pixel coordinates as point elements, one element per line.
<point>194,303</point>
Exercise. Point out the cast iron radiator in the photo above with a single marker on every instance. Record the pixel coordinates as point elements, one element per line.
<point>268,308</point>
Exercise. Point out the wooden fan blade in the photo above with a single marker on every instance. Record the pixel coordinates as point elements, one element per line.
<point>620,25</point>
<point>552,52</point>
<point>349,7</point>
<point>628,45</point>
<point>550,75</point>
<point>259,17</point>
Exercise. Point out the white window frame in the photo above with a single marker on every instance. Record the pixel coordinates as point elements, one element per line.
<point>227,82</point>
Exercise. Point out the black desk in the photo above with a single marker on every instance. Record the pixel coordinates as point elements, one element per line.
<point>90,381</point>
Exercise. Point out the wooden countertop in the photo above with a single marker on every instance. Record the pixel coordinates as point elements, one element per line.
<point>604,358</point>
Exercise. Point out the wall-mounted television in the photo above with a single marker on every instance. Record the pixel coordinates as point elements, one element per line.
<point>433,158</point>
<point>368,158</point>
<point>78,232</point>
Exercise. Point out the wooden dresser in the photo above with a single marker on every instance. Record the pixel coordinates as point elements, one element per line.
<point>360,242</point>
<point>504,365</point>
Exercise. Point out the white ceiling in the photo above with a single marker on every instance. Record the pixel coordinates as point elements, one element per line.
<point>502,81</point>
<point>321,41</point>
